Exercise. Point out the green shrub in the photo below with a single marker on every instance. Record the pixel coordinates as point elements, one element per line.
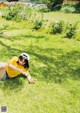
<point>12,11</point>
<point>71,30</point>
<point>77,7</point>
<point>8,16</point>
<point>38,24</point>
<point>57,7</point>
<point>71,8</point>
<point>57,27</point>
<point>68,9</point>
<point>18,13</point>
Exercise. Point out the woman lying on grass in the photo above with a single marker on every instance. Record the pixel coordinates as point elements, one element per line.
<point>17,65</point>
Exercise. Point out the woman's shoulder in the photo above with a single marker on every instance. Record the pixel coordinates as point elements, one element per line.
<point>15,58</point>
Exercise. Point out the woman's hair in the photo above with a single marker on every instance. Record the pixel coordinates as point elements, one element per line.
<point>26,65</point>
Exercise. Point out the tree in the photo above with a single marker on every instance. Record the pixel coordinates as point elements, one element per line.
<point>55,4</point>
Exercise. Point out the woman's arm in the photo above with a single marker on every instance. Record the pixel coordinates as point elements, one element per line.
<point>30,80</point>
<point>15,68</point>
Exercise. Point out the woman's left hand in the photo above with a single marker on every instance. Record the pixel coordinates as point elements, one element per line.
<point>31,81</point>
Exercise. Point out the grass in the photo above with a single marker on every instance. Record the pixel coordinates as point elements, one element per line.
<point>42,97</point>
<point>55,62</point>
<point>67,17</point>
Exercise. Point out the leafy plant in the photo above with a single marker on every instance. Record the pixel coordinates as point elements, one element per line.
<point>38,24</point>
<point>18,13</point>
<point>71,8</point>
<point>68,9</point>
<point>57,27</point>
<point>12,11</point>
<point>77,7</point>
<point>71,32</point>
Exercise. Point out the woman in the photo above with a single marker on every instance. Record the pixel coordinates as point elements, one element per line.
<point>17,65</point>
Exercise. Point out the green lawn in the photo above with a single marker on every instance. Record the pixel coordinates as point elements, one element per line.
<point>67,17</point>
<point>55,63</point>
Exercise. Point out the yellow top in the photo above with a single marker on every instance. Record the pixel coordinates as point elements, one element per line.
<point>12,72</point>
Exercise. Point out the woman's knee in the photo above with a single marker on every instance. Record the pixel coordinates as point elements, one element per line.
<point>3,65</point>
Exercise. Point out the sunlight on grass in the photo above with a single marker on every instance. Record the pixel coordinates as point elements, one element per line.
<point>67,17</point>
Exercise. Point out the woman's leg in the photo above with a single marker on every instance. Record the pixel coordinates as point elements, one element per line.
<point>2,69</point>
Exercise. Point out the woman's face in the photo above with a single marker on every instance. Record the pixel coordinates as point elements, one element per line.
<point>21,61</point>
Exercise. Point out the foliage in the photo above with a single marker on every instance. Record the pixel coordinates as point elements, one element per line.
<point>57,7</point>
<point>71,8</point>
<point>38,24</point>
<point>71,30</point>
<point>68,9</point>
<point>18,13</point>
<point>57,27</point>
<point>55,4</point>
<point>11,12</point>
<point>77,8</point>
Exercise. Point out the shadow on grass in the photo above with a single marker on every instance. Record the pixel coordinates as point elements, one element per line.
<point>14,51</point>
<point>20,37</point>
<point>11,51</point>
<point>60,68</point>
<point>31,36</point>
<point>14,84</point>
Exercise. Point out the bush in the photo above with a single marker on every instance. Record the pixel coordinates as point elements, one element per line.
<point>57,27</point>
<point>8,16</point>
<point>12,11</point>
<point>38,24</point>
<point>18,13</point>
<point>54,4</point>
<point>71,32</point>
<point>77,7</point>
<point>71,8</point>
<point>57,7</point>
<point>68,9</point>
